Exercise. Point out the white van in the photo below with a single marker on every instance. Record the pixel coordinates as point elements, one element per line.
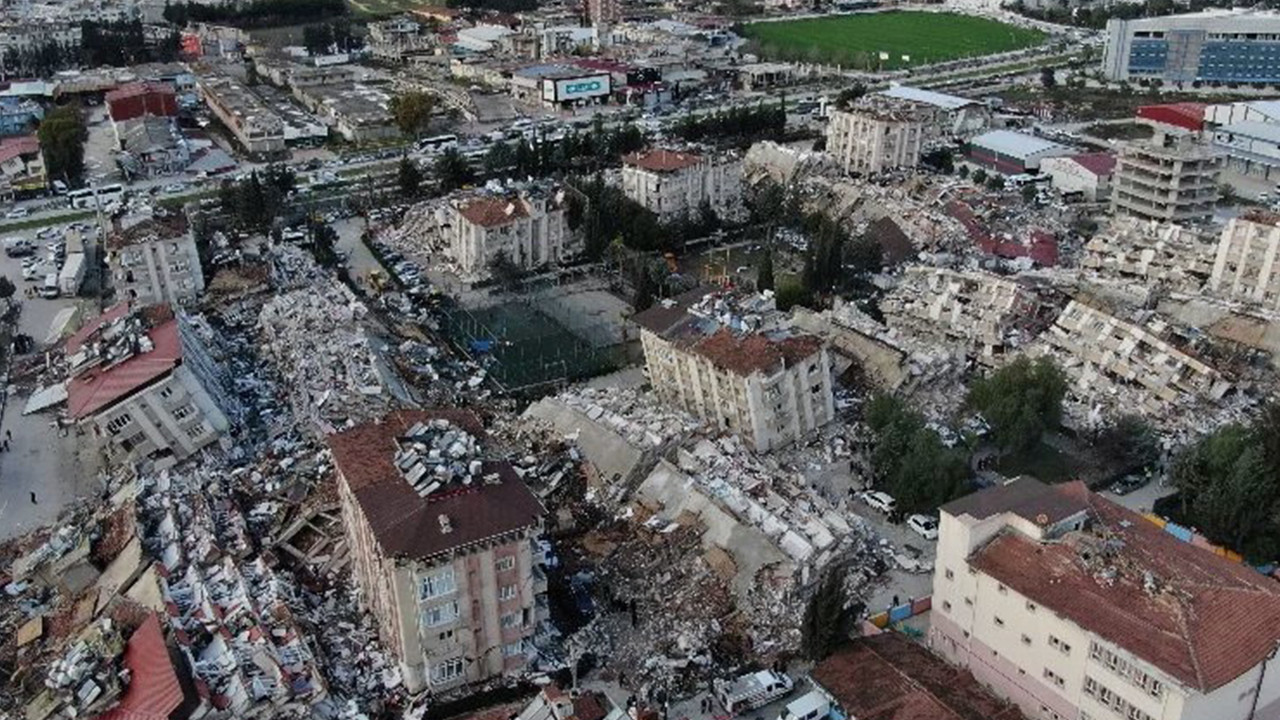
<point>49,288</point>
<point>813,706</point>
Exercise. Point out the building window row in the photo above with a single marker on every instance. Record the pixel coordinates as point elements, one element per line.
<point>438,584</point>
<point>1054,678</point>
<point>1109,698</point>
<point>506,563</point>
<point>446,671</point>
<point>1057,644</point>
<point>441,614</point>
<point>118,423</point>
<point>1127,670</point>
<point>507,592</point>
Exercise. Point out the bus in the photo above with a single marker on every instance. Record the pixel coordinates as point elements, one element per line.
<point>438,143</point>
<point>84,198</point>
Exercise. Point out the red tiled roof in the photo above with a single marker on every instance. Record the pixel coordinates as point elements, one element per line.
<point>909,684</point>
<point>745,354</point>
<point>1099,163</point>
<point>493,211</point>
<point>662,160</point>
<point>94,390</point>
<point>406,525</point>
<point>11,148</point>
<point>138,88</point>
<point>153,690</point>
<point>1207,622</point>
<point>76,341</point>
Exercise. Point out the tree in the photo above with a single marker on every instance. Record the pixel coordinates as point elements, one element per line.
<point>505,271</point>
<point>6,288</point>
<point>979,176</point>
<point>1021,401</point>
<point>644,289</point>
<point>995,182</point>
<point>62,135</point>
<point>323,239</point>
<point>1029,193</point>
<point>764,274</point>
<point>412,111</point>
<point>500,159</point>
<point>823,627</point>
<point>864,255</point>
<point>453,171</point>
<point>1227,489</point>
<point>1128,442</point>
<point>1048,79</point>
<point>910,460</point>
<point>850,95</point>
<point>409,177</point>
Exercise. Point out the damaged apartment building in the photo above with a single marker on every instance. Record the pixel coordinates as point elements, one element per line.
<point>717,358</point>
<point>677,184</point>
<point>147,384</point>
<point>1072,606</point>
<point>155,261</point>
<point>528,226</point>
<point>878,133</point>
<point>444,547</point>
<point>989,314</point>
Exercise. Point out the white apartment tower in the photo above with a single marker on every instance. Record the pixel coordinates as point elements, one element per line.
<point>675,184</point>
<point>879,133</point>
<point>530,228</point>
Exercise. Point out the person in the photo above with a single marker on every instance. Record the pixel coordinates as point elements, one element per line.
<point>895,601</point>
<point>33,498</point>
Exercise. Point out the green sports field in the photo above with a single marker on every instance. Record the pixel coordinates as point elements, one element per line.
<point>858,40</point>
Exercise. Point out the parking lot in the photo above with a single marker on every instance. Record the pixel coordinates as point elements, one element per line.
<point>900,583</point>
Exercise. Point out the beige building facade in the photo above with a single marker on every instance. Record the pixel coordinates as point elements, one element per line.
<point>1169,177</point>
<point>1076,608</point>
<point>676,184</point>
<point>879,133</point>
<point>1247,265</point>
<point>148,268</point>
<point>530,228</point>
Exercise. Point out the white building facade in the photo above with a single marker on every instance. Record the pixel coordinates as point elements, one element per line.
<point>530,229</point>
<point>879,133</point>
<point>677,184</point>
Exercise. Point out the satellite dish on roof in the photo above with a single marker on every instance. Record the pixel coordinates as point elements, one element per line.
<point>1042,519</point>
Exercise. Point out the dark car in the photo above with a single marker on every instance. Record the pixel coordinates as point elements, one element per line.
<point>1129,483</point>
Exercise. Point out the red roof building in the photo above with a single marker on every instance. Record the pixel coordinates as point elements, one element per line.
<point>1185,115</point>
<point>661,161</point>
<point>153,692</point>
<point>142,98</point>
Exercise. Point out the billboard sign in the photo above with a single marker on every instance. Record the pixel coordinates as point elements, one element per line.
<point>582,88</point>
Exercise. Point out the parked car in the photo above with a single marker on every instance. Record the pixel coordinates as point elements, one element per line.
<point>1129,483</point>
<point>751,691</point>
<point>881,501</point>
<point>17,213</point>
<point>925,526</point>
<point>811,706</point>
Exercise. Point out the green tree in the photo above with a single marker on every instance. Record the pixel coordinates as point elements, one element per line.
<point>62,135</point>
<point>1021,401</point>
<point>850,95</point>
<point>322,242</point>
<point>978,176</point>
<point>412,111</point>
<point>1128,442</point>
<point>824,625</point>
<point>500,159</point>
<point>864,255</point>
<point>252,207</point>
<point>790,293</point>
<point>507,274</point>
<point>645,288</point>
<point>409,177</point>
<point>1029,193</point>
<point>6,288</point>
<point>764,274</point>
<point>1048,79</point>
<point>910,460</point>
<point>1228,490</point>
<point>453,171</point>
<point>995,182</point>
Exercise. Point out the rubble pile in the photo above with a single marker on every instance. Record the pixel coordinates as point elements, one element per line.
<point>324,356</point>
<point>635,415</point>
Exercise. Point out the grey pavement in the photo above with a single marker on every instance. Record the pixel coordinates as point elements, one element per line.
<point>56,465</point>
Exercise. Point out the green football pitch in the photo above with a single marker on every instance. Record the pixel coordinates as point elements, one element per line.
<point>859,40</point>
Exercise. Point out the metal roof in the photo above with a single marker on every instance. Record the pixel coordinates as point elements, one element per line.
<point>1016,144</point>
<point>1253,129</point>
<point>928,97</point>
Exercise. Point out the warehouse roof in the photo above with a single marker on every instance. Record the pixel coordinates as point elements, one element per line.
<point>1016,144</point>
<point>928,97</point>
<point>1252,129</point>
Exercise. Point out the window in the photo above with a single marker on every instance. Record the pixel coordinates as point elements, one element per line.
<point>1000,588</point>
<point>446,636</point>
<point>506,563</point>
<point>512,649</point>
<point>196,430</point>
<point>507,592</point>
<point>510,620</point>
<point>441,614</point>
<point>1031,607</point>
<point>183,412</point>
<point>446,671</point>
<point>133,441</point>
<point>950,575</point>
<point>1054,678</point>
<point>118,423</point>
<point>999,621</point>
<point>441,582</point>
<point>1054,642</point>
<point>167,392</point>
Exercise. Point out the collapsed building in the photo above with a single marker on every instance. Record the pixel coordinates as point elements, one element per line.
<point>1247,265</point>
<point>988,313</point>
<point>716,359</point>
<point>147,383</point>
<point>331,369</point>
<point>1129,366</point>
<point>155,261</point>
<point>1150,254</point>
<point>443,543</point>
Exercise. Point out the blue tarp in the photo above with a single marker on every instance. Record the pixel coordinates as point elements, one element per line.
<point>1178,531</point>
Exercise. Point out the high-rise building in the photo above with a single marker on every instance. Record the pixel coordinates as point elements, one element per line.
<point>878,133</point>
<point>675,184</point>
<point>1215,47</point>
<point>603,12</point>
<point>1171,177</point>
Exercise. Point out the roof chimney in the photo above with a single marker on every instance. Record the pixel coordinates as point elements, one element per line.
<point>446,527</point>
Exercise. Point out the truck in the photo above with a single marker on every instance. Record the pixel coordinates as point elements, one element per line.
<point>72,275</point>
<point>752,690</point>
<point>810,706</point>
<point>18,246</point>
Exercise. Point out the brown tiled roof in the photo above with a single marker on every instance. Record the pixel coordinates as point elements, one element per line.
<point>745,354</point>
<point>406,525</point>
<point>1205,620</point>
<point>1026,497</point>
<point>493,211</point>
<point>887,677</point>
<point>662,160</point>
<point>661,317</point>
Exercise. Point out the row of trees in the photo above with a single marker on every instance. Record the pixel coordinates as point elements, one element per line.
<point>1229,485</point>
<point>101,43</point>
<point>329,37</point>
<point>575,152</point>
<point>62,135</point>
<point>254,13</point>
<point>254,202</point>
<point>737,124</point>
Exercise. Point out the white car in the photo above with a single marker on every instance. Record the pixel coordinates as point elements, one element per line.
<point>925,526</point>
<point>17,213</point>
<point>881,501</point>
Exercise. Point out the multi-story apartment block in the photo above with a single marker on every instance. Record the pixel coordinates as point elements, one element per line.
<point>1171,177</point>
<point>1076,608</point>
<point>155,262</point>
<point>1214,47</point>
<point>1150,254</point>
<point>443,552</point>
<point>769,388</point>
<point>19,116</point>
<point>145,383</point>
<point>976,309</point>
<point>603,12</point>
<point>530,228</point>
<point>398,39</point>
<point>675,184</point>
<point>1247,265</point>
<point>21,165</point>
<point>879,133</point>
<point>255,125</point>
